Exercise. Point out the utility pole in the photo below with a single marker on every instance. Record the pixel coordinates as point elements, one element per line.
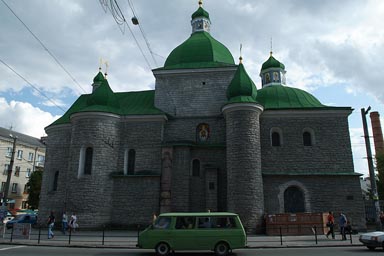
<point>372,176</point>
<point>5,197</point>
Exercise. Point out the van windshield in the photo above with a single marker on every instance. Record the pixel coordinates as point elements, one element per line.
<point>162,223</point>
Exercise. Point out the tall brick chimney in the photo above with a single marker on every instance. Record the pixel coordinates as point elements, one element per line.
<point>377,133</point>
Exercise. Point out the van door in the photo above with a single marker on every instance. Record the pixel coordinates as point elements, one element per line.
<point>184,233</point>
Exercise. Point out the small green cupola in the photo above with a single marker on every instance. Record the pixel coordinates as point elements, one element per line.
<point>272,72</point>
<point>102,93</point>
<point>200,20</point>
<point>241,88</point>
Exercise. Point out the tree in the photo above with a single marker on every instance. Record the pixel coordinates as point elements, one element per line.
<point>34,185</point>
<point>380,175</point>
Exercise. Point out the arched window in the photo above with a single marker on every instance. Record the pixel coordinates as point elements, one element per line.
<point>294,200</point>
<point>307,140</point>
<point>55,181</point>
<point>131,161</point>
<point>267,78</point>
<point>88,161</point>
<point>196,168</point>
<point>275,139</point>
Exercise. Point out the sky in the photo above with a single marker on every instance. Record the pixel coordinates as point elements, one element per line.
<point>50,51</point>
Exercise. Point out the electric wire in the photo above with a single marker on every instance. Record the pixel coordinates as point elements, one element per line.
<point>30,84</point>
<point>120,20</point>
<point>130,3</point>
<point>44,47</point>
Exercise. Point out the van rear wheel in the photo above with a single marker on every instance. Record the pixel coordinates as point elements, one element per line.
<point>162,249</point>
<point>221,249</point>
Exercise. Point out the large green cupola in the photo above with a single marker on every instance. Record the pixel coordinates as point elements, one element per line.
<point>200,50</point>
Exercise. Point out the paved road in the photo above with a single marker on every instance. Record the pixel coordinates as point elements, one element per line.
<point>22,250</point>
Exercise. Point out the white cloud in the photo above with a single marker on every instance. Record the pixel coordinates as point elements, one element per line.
<point>24,118</point>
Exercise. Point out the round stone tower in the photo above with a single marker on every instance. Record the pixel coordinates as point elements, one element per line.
<point>244,179</point>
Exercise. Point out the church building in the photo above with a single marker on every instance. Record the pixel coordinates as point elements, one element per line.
<point>204,139</point>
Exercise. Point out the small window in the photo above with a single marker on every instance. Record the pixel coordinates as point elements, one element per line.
<point>26,189</point>
<point>14,187</point>
<point>88,161</point>
<point>17,171</point>
<point>6,167</point>
<point>185,222</point>
<point>28,173</point>
<point>2,189</point>
<point>19,154</point>
<point>276,139</point>
<point>55,181</point>
<point>9,152</point>
<point>307,140</point>
<point>195,168</point>
<point>30,157</point>
<point>131,161</point>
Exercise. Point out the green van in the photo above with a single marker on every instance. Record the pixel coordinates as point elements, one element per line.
<point>217,231</point>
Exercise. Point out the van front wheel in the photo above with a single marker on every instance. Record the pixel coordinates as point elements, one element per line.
<point>162,249</point>
<point>221,249</point>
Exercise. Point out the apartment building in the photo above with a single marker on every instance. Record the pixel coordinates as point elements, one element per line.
<point>29,156</point>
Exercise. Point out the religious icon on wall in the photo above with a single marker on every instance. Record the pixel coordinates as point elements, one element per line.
<point>202,132</point>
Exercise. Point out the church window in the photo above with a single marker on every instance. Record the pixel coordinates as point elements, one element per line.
<point>196,168</point>
<point>308,137</point>
<point>88,161</point>
<point>294,200</point>
<point>276,139</point>
<point>131,161</point>
<point>267,78</point>
<point>55,181</point>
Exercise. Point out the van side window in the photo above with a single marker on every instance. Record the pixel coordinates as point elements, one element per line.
<point>205,222</point>
<point>162,223</point>
<point>185,223</point>
<point>217,222</point>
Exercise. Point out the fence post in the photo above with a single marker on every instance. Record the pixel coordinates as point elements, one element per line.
<point>103,234</point>
<point>12,233</point>
<point>315,231</point>
<point>281,236</point>
<point>350,235</point>
<point>70,235</point>
<point>38,238</point>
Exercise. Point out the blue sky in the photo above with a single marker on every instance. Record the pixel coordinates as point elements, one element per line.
<point>331,49</point>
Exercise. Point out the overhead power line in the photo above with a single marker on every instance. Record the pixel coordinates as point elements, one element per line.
<point>44,47</point>
<point>34,87</point>
<point>120,20</point>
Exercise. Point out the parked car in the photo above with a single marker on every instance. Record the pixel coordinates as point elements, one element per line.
<point>22,218</point>
<point>373,239</point>
<point>8,217</point>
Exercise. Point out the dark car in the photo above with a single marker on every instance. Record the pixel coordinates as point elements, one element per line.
<point>23,218</point>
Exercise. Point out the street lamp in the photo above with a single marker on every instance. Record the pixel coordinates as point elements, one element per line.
<point>370,167</point>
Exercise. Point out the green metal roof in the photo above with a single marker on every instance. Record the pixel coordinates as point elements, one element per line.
<point>272,63</point>
<point>200,50</point>
<point>200,13</point>
<point>126,103</point>
<point>241,88</point>
<point>283,97</point>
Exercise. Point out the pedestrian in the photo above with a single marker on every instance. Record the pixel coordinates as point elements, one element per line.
<point>330,225</point>
<point>343,224</point>
<point>382,220</point>
<point>64,222</point>
<point>73,223</point>
<point>51,223</point>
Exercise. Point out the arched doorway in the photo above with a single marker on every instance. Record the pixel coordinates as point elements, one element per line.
<point>294,200</point>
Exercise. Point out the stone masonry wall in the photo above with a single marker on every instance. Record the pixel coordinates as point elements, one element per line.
<point>192,93</point>
<point>322,193</point>
<point>245,184</point>
<point>331,151</point>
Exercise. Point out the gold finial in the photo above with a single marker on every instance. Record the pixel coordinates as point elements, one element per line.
<point>200,3</point>
<point>100,63</point>
<point>241,58</point>
<point>271,47</point>
<point>106,68</point>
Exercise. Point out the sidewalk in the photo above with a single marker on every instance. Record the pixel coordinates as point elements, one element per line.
<point>128,239</point>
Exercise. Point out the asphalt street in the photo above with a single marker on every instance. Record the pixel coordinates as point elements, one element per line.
<point>22,250</point>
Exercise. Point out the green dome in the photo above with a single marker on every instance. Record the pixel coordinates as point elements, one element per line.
<point>200,13</point>
<point>99,78</point>
<point>272,63</point>
<point>241,88</point>
<point>284,97</point>
<point>200,50</point>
